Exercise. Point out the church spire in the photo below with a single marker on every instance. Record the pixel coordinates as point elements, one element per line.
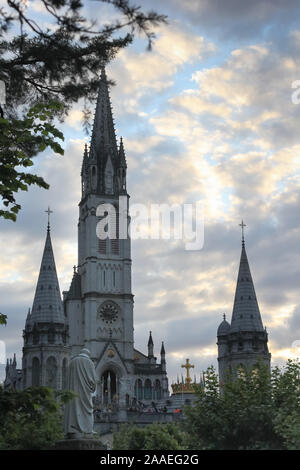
<point>103,134</point>
<point>47,304</point>
<point>104,165</point>
<point>246,315</point>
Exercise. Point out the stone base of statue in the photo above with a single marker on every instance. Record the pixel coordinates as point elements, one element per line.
<point>80,443</point>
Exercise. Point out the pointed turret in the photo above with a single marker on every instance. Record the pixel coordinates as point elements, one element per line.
<point>244,341</point>
<point>122,156</point>
<point>47,304</point>
<point>104,166</point>
<point>163,357</point>
<point>74,292</point>
<point>46,331</point>
<point>121,170</point>
<point>103,134</point>
<point>245,315</point>
<point>150,346</point>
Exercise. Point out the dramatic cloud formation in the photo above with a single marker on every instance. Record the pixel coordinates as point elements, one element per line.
<point>206,116</point>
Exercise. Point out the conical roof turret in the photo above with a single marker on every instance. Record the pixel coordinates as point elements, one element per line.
<point>47,305</point>
<point>245,315</point>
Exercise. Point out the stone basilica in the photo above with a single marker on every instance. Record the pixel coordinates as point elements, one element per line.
<point>97,311</point>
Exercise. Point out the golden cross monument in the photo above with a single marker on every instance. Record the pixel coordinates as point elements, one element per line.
<point>188,366</point>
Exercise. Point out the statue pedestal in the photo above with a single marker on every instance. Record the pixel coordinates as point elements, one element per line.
<point>80,444</point>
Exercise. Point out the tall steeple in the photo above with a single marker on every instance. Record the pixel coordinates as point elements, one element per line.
<point>246,315</point>
<point>104,165</point>
<point>47,304</point>
<point>45,351</point>
<point>245,340</point>
<point>99,304</point>
<point>103,134</point>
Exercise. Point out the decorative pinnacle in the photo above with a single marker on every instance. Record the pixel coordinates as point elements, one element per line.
<point>103,73</point>
<point>242,225</point>
<point>224,316</point>
<point>150,341</point>
<point>48,212</point>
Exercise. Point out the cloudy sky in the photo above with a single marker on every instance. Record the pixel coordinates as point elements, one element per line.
<point>206,116</point>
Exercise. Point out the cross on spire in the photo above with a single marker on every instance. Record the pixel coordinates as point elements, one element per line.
<point>242,225</point>
<point>49,212</point>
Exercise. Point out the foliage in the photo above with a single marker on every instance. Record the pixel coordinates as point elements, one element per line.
<point>20,140</point>
<point>255,410</point>
<point>62,62</point>
<point>52,65</point>
<point>31,419</point>
<point>151,437</point>
<point>3,319</point>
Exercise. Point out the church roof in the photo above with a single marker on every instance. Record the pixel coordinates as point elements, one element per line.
<point>103,134</point>
<point>47,305</point>
<point>224,328</point>
<point>75,288</point>
<point>246,315</point>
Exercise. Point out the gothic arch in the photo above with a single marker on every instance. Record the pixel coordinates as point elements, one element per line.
<point>148,389</point>
<point>64,370</point>
<point>36,372</point>
<point>24,373</point>
<point>51,372</point>
<point>138,389</point>
<point>157,390</point>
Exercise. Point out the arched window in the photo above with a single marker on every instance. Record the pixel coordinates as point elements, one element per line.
<point>64,378</point>
<point>24,373</point>
<point>138,389</point>
<point>51,372</point>
<point>109,387</point>
<point>114,242</point>
<point>94,177</point>
<point>51,335</point>
<point>35,335</point>
<point>148,390</point>
<point>157,390</point>
<point>35,372</point>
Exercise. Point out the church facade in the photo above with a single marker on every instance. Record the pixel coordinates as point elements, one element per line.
<point>97,311</point>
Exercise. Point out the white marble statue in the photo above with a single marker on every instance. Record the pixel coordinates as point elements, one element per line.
<point>78,419</point>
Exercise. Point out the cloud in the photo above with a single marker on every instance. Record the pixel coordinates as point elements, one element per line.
<point>199,124</point>
<point>145,75</point>
<point>233,20</point>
